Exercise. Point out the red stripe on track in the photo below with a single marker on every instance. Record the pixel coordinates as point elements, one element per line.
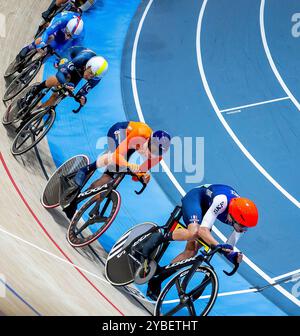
<point>48,235</point>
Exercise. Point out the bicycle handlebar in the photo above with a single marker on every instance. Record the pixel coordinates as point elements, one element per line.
<point>71,94</point>
<point>234,270</point>
<point>218,249</point>
<point>140,179</point>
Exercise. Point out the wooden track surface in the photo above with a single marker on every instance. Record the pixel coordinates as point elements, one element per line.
<point>42,273</point>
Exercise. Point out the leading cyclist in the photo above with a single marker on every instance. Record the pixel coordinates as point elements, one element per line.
<point>201,207</point>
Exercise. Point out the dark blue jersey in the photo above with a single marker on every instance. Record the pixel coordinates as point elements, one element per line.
<point>71,69</point>
<point>199,200</point>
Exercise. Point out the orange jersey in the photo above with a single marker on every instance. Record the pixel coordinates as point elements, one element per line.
<point>137,133</point>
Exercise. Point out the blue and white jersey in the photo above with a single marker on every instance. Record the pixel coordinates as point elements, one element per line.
<point>205,204</point>
<point>57,29</point>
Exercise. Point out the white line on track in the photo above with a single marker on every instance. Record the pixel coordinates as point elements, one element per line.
<point>287,275</point>
<point>244,150</point>
<point>136,95</point>
<point>167,169</point>
<point>246,291</point>
<point>234,112</point>
<point>255,104</point>
<point>225,124</point>
<point>63,260</point>
<point>51,254</point>
<point>269,56</point>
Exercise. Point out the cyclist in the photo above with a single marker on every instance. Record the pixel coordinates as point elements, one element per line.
<point>83,63</point>
<point>74,5</point>
<point>201,207</point>
<point>124,139</point>
<point>64,27</point>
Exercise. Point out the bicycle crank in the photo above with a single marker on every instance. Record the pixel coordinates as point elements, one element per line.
<point>145,272</point>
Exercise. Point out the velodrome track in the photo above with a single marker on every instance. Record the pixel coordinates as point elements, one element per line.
<point>37,281</point>
<point>228,71</point>
<point>43,275</point>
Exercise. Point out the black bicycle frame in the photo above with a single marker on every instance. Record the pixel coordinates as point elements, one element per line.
<point>166,271</point>
<point>113,185</point>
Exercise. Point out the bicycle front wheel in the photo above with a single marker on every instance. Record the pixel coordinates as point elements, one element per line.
<point>198,298</point>
<point>33,131</point>
<point>93,218</point>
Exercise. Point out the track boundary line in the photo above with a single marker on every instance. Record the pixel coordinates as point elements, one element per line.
<point>166,168</point>
<point>270,58</point>
<point>255,104</point>
<point>250,157</point>
<point>16,294</point>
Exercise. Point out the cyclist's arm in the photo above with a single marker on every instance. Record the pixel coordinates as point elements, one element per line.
<point>53,28</point>
<point>118,156</point>
<point>59,22</point>
<point>89,85</point>
<point>64,73</point>
<point>218,206</point>
<point>234,238</point>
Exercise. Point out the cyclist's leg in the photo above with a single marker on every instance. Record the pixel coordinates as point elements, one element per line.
<point>51,101</point>
<point>192,217</point>
<point>61,2</point>
<point>190,251</point>
<point>52,82</point>
<point>104,179</point>
<point>154,285</point>
<point>24,52</point>
<point>36,89</point>
<point>72,208</point>
<point>103,160</point>
<point>31,94</point>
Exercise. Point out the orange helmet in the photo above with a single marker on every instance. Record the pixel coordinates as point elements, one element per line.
<point>243,211</point>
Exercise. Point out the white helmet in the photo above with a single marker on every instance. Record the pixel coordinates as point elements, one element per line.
<point>99,66</point>
<point>75,26</point>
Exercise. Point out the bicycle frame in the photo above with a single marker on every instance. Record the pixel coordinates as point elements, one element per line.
<point>173,224</point>
<point>164,272</point>
<point>113,185</point>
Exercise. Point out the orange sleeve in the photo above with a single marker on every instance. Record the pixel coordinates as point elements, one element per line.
<point>118,156</point>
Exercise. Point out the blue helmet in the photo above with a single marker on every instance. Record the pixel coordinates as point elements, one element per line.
<point>161,141</point>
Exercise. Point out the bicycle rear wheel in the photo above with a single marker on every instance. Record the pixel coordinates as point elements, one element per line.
<point>50,196</point>
<point>97,214</point>
<point>121,265</point>
<point>22,80</point>
<point>198,298</point>
<point>18,66</point>
<point>13,114</point>
<point>33,131</point>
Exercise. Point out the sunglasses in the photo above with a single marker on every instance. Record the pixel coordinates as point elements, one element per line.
<point>237,225</point>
